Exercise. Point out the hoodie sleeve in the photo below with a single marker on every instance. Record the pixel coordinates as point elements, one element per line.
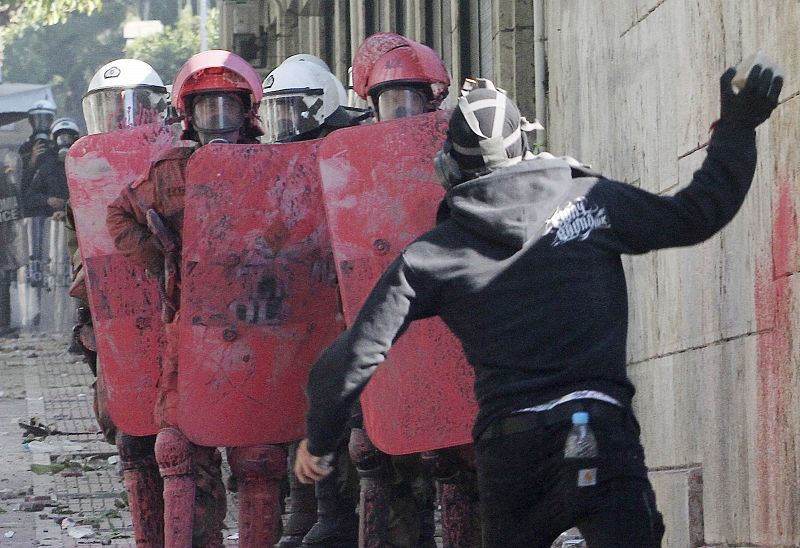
<point>642,221</point>
<point>344,368</point>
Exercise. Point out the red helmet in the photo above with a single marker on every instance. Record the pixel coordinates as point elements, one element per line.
<point>217,70</point>
<point>388,58</point>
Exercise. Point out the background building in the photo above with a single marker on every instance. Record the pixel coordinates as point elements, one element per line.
<point>631,87</point>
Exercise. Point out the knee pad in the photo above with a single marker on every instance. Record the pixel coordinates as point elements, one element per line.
<point>364,454</point>
<point>450,465</point>
<point>135,451</point>
<point>173,453</point>
<point>257,460</point>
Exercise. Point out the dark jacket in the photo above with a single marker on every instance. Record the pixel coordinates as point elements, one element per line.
<point>527,274</point>
<point>48,181</point>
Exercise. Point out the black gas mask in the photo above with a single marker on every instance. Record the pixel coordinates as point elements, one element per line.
<point>63,141</point>
<point>218,117</point>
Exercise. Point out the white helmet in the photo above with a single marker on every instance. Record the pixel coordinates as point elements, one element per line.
<point>124,93</point>
<point>310,58</point>
<point>41,115</point>
<point>64,132</point>
<point>300,96</point>
<point>64,124</point>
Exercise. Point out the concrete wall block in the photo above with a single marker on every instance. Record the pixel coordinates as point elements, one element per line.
<point>504,46</point>
<point>688,295</point>
<point>726,428</point>
<point>667,407</point>
<point>679,496</point>
<point>642,282</point>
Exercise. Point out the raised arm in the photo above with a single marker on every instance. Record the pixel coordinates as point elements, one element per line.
<point>642,221</point>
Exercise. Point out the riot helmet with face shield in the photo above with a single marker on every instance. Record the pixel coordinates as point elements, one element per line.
<point>217,94</point>
<point>40,117</point>
<point>414,76</point>
<point>301,98</point>
<point>124,93</point>
<point>64,132</point>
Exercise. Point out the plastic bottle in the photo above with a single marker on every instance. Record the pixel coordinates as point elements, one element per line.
<point>581,443</point>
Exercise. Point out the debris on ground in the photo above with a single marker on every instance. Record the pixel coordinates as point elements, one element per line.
<point>42,469</point>
<point>80,531</point>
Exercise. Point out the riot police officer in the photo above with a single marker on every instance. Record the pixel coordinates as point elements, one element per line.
<point>399,77</point>
<point>40,117</point>
<point>217,93</point>
<point>303,100</point>
<point>123,93</point>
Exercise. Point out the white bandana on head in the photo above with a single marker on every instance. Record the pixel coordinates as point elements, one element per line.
<point>492,147</point>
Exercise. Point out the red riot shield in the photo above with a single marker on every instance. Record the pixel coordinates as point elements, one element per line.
<point>381,192</point>
<point>258,294</point>
<point>125,304</point>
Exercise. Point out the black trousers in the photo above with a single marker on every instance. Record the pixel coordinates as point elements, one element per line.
<point>529,493</point>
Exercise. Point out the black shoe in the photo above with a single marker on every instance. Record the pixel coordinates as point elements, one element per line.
<point>333,532</point>
<point>290,541</point>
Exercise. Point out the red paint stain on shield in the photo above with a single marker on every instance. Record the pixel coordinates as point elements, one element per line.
<point>777,471</point>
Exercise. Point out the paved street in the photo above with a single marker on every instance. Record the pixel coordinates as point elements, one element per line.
<point>62,489</point>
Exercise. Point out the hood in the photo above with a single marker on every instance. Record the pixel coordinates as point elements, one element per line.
<point>511,205</point>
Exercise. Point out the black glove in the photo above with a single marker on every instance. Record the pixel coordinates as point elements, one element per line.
<point>754,102</point>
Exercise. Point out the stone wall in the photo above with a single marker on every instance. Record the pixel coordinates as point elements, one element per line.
<point>713,343</point>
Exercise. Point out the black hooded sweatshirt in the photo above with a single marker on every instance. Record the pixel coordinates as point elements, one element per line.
<point>527,274</point>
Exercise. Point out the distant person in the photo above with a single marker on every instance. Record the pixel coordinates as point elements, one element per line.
<point>47,192</point>
<point>40,117</point>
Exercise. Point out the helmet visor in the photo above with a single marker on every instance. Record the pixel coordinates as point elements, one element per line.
<point>285,117</point>
<point>109,109</point>
<point>401,102</point>
<point>217,112</point>
<point>40,120</point>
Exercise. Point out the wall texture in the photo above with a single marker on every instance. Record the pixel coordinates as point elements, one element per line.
<point>632,88</point>
<point>713,344</point>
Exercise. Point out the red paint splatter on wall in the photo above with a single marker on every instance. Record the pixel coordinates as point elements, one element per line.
<point>776,488</point>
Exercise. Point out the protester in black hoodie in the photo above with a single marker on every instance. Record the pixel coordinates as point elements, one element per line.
<point>527,274</point>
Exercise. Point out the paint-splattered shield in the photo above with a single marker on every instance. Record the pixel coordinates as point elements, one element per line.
<point>381,193</point>
<point>258,299</point>
<point>125,304</point>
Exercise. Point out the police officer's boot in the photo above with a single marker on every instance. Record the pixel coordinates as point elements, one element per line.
<point>301,507</point>
<point>458,492</point>
<point>258,470</point>
<point>376,489</point>
<point>144,486</point>
<point>337,521</point>
<point>174,456</point>
<point>427,505</point>
<point>210,499</point>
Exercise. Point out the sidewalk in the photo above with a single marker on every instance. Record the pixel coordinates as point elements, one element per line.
<point>57,488</point>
